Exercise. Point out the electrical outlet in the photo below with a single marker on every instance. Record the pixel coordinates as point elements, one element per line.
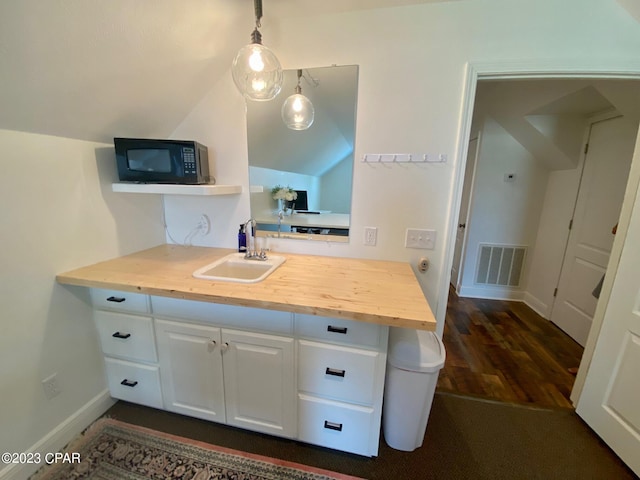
<point>204,225</point>
<point>417,238</point>
<point>50,386</point>
<point>370,236</point>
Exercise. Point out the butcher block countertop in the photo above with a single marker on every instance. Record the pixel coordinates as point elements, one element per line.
<point>373,291</point>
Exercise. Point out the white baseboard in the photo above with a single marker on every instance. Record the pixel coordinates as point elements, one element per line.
<point>494,293</point>
<point>60,436</point>
<point>536,305</point>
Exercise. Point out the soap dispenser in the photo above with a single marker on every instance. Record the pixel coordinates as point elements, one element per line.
<point>242,240</point>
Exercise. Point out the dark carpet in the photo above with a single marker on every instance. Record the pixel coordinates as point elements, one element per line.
<point>467,438</point>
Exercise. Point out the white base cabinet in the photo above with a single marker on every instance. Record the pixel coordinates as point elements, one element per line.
<point>259,382</point>
<point>125,328</point>
<point>240,378</point>
<point>318,380</point>
<point>191,366</point>
<point>341,371</point>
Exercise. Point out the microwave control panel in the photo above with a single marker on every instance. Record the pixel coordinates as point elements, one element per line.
<point>189,158</point>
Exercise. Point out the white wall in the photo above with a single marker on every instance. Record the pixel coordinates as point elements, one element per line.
<point>58,214</point>
<point>503,213</point>
<point>551,240</point>
<point>411,80</point>
<point>336,186</point>
<point>268,178</point>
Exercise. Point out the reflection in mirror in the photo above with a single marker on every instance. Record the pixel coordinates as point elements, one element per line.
<point>317,164</point>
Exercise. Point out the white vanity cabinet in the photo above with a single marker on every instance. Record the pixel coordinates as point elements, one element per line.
<point>239,377</point>
<point>125,329</point>
<point>319,380</point>
<point>341,370</point>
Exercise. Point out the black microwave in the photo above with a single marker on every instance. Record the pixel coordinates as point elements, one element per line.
<point>162,161</point>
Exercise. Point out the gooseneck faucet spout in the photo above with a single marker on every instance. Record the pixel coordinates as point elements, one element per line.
<point>252,251</point>
<point>248,230</point>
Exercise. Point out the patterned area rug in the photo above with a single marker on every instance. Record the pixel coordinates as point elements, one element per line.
<point>113,450</point>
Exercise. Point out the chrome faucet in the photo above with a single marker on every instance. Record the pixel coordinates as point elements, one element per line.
<point>252,252</point>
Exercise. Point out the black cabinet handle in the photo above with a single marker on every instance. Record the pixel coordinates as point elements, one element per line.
<point>116,299</point>
<point>121,335</point>
<point>335,372</point>
<point>333,329</point>
<point>127,383</point>
<point>332,425</point>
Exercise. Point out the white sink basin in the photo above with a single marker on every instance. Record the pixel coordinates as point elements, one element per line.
<point>235,268</point>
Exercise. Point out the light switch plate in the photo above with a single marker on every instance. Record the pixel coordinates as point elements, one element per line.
<point>418,238</point>
<point>370,236</point>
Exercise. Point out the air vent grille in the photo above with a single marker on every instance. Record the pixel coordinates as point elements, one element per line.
<point>500,265</point>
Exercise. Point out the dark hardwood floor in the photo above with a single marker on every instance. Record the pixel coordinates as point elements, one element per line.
<point>504,351</point>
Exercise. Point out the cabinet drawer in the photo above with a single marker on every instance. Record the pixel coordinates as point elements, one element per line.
<point>255,319</point>
<point>342,373</point>
<point>128,336</point>
<point>337,330</point>
<point>134,382</point>
<point>336,425</point>
<point>121,301</point>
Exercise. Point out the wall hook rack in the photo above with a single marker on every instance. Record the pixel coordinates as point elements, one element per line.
<point>403,158</point>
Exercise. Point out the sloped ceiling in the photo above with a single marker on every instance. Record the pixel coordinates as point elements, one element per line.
<point>548,116</point>
<point>632,6</point>
<point>333,93</point>
<point>94,69</point>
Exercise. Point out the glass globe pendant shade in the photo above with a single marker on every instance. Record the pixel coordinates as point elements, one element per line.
<point>297,112</point>
<point>257,72</point>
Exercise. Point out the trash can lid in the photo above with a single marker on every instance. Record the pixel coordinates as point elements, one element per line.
<point>415,350</point>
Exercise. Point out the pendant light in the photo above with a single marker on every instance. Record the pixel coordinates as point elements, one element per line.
<point>297,110</point>
<point>256,70</point>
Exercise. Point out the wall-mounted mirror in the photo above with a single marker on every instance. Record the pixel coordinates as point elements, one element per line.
<point>316,163</point>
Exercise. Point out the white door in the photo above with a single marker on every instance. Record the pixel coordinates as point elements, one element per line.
<point>259,384</point>
<point>604,179</point>
<point>463,216</point>
<point>610,400</point>
<point>191,369</point>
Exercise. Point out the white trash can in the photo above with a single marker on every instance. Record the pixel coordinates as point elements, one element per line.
<point>414,360</point>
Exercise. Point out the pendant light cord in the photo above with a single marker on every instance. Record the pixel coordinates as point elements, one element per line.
<point>298,87</point>
<point>257,5</point>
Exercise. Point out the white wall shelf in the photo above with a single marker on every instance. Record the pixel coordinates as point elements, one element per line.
<point>176,189</point>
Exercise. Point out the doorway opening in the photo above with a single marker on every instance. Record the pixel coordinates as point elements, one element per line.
<point>529,184</point>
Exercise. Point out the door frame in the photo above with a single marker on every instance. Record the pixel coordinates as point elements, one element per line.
<point>465,234</point>
<point>474,71</point>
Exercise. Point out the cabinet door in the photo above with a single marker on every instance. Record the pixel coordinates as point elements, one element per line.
<point>191,369</point>
<point>259,382</point>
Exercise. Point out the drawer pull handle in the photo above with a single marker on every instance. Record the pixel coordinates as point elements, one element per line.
<point>332,425</point>
<point>335,372</point>
<point>116,299</point>
<point>127,383</point>
<point>333,329</point>
<point>121,335</point>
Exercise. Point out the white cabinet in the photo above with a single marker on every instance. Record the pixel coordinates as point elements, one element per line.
<point>242,378</point>
<point>134,382</point>
<point>341,370</point>
<point>319,380</point>
<point>259,382</point>
<point>191,367</point>
<point>128,343</point>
